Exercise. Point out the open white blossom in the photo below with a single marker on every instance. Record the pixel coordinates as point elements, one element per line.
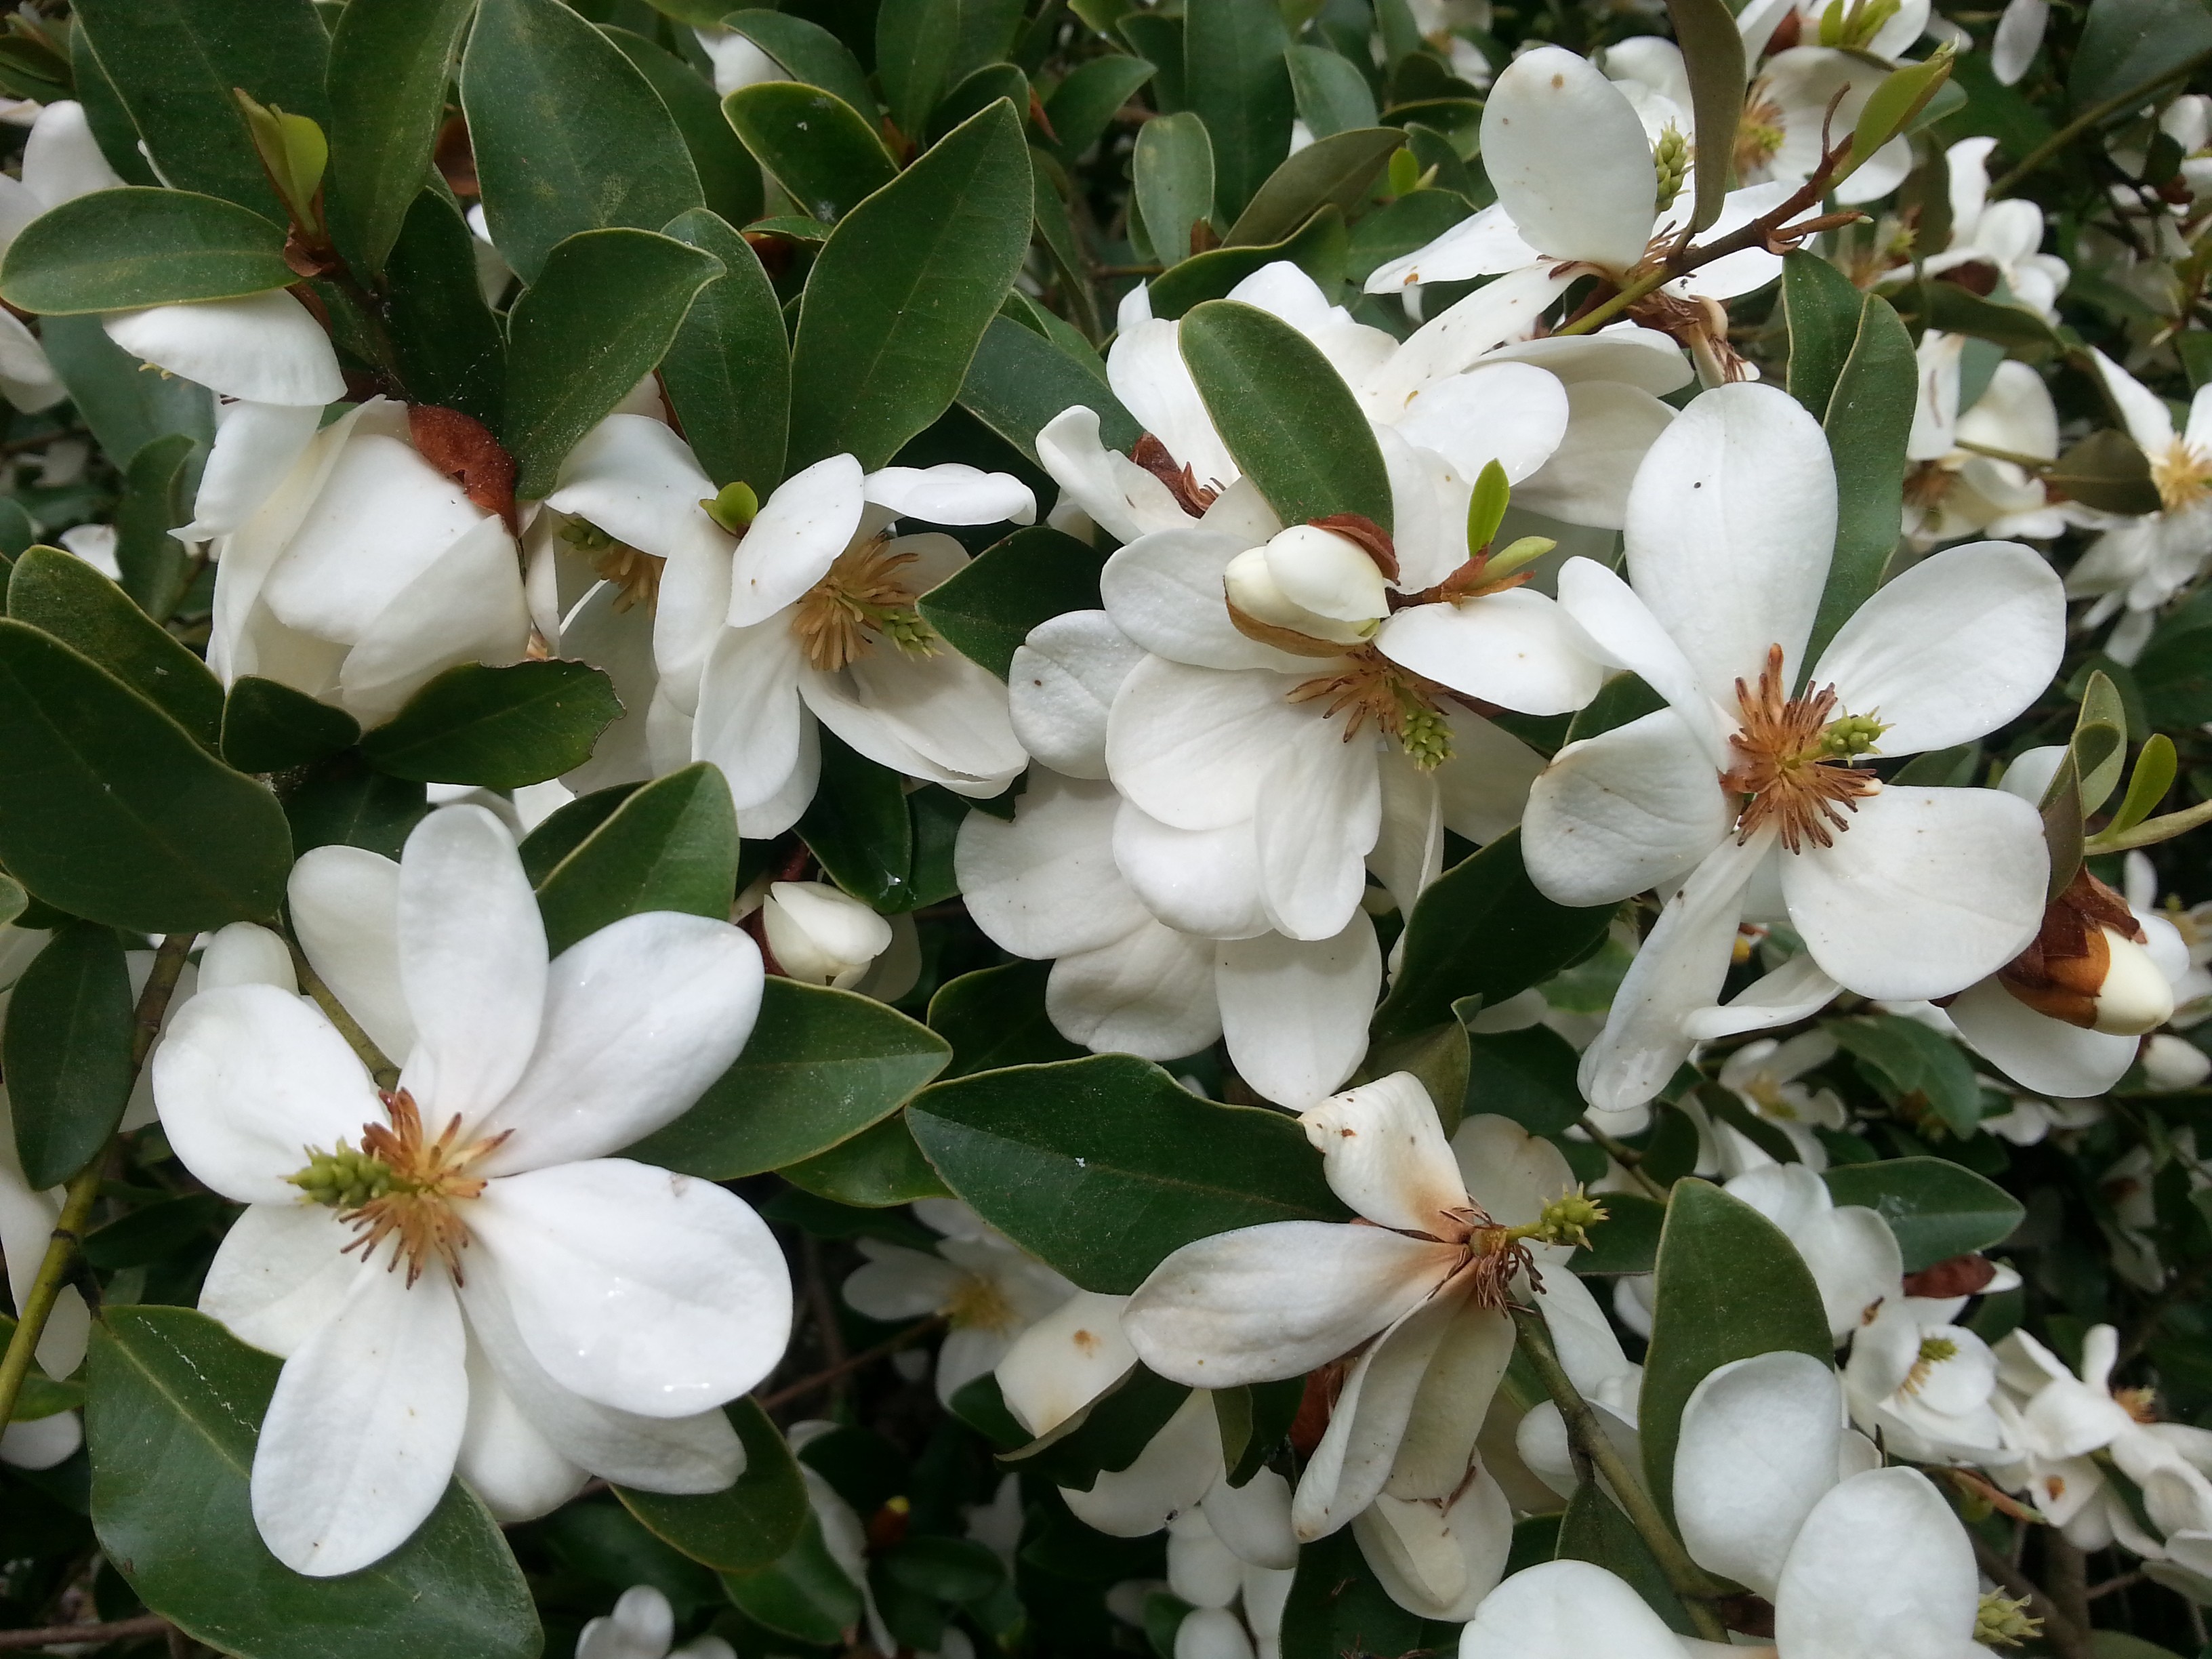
<point>1957,487</point>
<point>642,1626</point>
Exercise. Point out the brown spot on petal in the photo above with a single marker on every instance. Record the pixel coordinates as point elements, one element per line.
<point>1192,496</point>
<point>1086,1341</point>
<point>464,449</point>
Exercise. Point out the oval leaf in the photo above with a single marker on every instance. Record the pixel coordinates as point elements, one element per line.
<point>746,1526</point>
<point>496,728</point>
<point>67,1052</point>
<point>1937,1209</point>
<point>670,846</point>
<point>62,595</point>
<point>117,250</point>
<point>816,145</point>
<point>390,60</point>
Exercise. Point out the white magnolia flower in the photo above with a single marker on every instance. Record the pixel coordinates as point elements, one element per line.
<point>2005,236</point>
<point>2136,567</point>
<point>1923,1386</point>
<point>988,1289</point>
<point>806,617</point>
<point>2031,1120</point>
<point>458,1274</point>
<point>642,1626</point>
<point>820,935</point>
<point>1849,1248</point>
<point>1955,490</point>
<point>1764,1075</point>
<point>1897,890</point>
<point>41,1442</point>
<point>62,161</point>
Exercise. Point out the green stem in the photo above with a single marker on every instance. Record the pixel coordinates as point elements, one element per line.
<point>379,1064</point>
<point>2150,831</point>
<point>1625,1156</point>
<point>83,1190</point>
<point>1588,1436</point>
<point>2095,115</point>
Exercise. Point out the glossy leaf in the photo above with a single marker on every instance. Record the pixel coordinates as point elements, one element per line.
<point>729,178</point>
<point>2154,775</point>
<point>1626,1241</point>
<point>1172,173</point>
<point>1729,1285</point>
<point>1937,1209</point>
<point>746,1526</point>
<point>117,250</point>
<point>62,595</point>
<point>1319,248</point>
<point>2107,472</point>
<point>1867,420</point>
<point>2099,743</point>
<point>1528,1076</point>
<point>671,846</point>
<point>821,1067</point>
<point>1236,82</point>
<point>903,291</point>
<point>1019,380</point>
<point>390,62</point>
<point>568,136</point>
<point>878,1168</point>
<point>1101,1167</point>
<point>988,608</point>
<point>1713,58</point>
<point>729,370</point>
<point>267,726</point>
<point>448,346</point>
<point>807,52</point>
<point>1337,171</point>
<point>924,47</point>
<point>67,1052</point>
<point>175,1404</point>
<point>995,1017</point>
<point>1920,1066</point>
<point>600,317</point>
<point>805,1594</point>
<point>858,826</point>
<point>112,811</point>
<point>568,826</point>
<point>818,148</point>
<point>977,91</point>
<point>497,727</point>
<point>1823,307</point>
<point>344,801</point>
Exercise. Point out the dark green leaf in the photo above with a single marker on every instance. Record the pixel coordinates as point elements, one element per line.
<point>729,179</point>
<point>875,1168</point>
<point>175,1404</point>
<point>995,1017</point>
<point>672,846</point>
<point>1288,419</point>
<point>1149,34</point>
<point>1729,1285</point>
<point>1106,1435</point>
<point>2125,43</point>
<point>17,532</point>
<point>116,250</point>
<point>743,1527</point>
<point>447,343</point>
<point>269,727</point>
<point>390,61</point>
<point>1528,1076</point>
<point>925,47</point>
<point>1920,1064</point>
<point>1337,1606</point>
<point>601,315</point>
<point>154,1232</point>
<point>568,136</point>
<point>1236,82</point>
<point>858,826</point>
<point>67,1052</point>
<point>1628,1240</point>
<point>808,53</point>
<point>1172,174</point>
<point>126,405</point>
<point>346,802</point>
<point>1713,58</point>
<point>1955,310</point>
<point>903,291</point>
<point>1333,95</point>
<point>157,490</point>
<point>110,124</point>
<point>805,1594</point>
<point>111,811</point>
<point>62,595</point>
<point>728,373</point>
<point>1412,222</point>
<point>1102,1167</point>
<point>954,1570</point>
<point>989,607</point>
<point>2105,471</point>
<point>1823,307</point>
<point>1869,418</point>
<point>1594,1529</point>
<point>1082,105</point>
<point>2176,677</point>
<point>498,728</point>
<point>1937,1209</point>
<point>1336,171</point>
<point>976,92</point>
<point>1254,1421</point>
<point>1319,249</point>
<point>817,147</point>
<point>821,1066</point>
<point>1019,380</point>
<point>567,827</point>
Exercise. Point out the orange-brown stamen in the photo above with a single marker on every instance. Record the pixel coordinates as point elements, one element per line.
<point>1785,765</point>
<point>426,1177</point>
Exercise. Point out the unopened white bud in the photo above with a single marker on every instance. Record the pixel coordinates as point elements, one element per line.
<point>820,935</point>
<point>1311,582</point>
<point>2171,1063</point>
<point>1212,1633</point>
<point>2136,996</point>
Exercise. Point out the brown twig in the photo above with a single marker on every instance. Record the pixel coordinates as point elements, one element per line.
<point>51,1636</point>
<point>807,1385</point>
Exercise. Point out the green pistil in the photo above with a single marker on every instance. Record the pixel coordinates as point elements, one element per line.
<point>904,629</point>
<point>1934,1350</point>
<point>345,1179</point>
<point>1423,732</point>
<point>2000,1621</point>
<point>1854,735</point>
<point>1670,160</point>
<point>586,536</point>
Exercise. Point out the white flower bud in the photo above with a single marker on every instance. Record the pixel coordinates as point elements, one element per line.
<point>2136,996</point>
<point>1212,1633</point>
<point>2171,1063</point>
<point>1312,581</point>
<point>821,936</point>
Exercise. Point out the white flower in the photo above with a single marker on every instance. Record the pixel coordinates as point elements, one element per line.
<point>1764,1075</point>
<point>1898,891</point>
<point>2006,236</point>
<point>1922,1385</point>
<point>820,935</point>
<point>41,1442</point>
<point>642,1626</point>
<point>1849,1248</point>
<point>986,1286</point>
<point>1956,489</point>
<point>2018,39</point>
<point>459,1273</point>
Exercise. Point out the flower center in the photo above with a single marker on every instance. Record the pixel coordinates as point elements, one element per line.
<point>1402,705</point>
<point>637,574</point>
<point>865,595</point>
<point>1792,757</point>
<point>1759,137</point>
<point>400,1185</point>
<point>979,1304</point>
<point>1926,484</point>
<point>1934,1351</point>
<point>1670,162</point>
<point>2183,476</point>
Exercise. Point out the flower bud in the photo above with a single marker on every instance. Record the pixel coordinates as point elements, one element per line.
<point>2089,967</point>
<point>2171,1063</point>
<point>1310,582</point>
<point>821,936</point>
<point>2135,997</point>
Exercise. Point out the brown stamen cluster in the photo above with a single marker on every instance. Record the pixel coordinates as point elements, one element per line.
<point>1494,1255</point>
<point>865,595</point>
<point>1785,766</point>
<point>426,1177</point>
<point>1192,496</point>
<point>2060,973</point>
<point>1402,705</point>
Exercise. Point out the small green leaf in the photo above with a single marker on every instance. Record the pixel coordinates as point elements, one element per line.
<point>1937,1209</point>
<point>2107,472</point>
<point>1083,103</point>
<point>743,1527</point>
<point>1485,507</point>
<point>925,47</point>
<point>117,250</point>
<point>156,494</point>
<point>267,726</point>
<point>1823,308</point>
<point>988,608</point>
<point>1713,58</point>
<point>1102,1167</point>
<point>67,1052</point>
<point>823,152</point>
<point>2154,776</point>
<point>1892,107</point>
<point>1337,171</point>
<point>390,62</point>
<point>601,315</point>
<point>1019,380</point>
<point>1867,420</point>
<point>497,727</point>
<point>1172,170</point>
<point>62,595</point>
<point>1236,80</point>
<point>1918,1064</point>
<point>1955,310</point>
<point>1320,248</point>
<point>671,846</point>
<point>977,92</point>
<point>1289,421</point>
<point>448,346</point>
<point>2099,743</point>
<point>995,1017</point>
<point>1333,95</point>
<point>878,1168</point>
<point>729,370</point>
<point>1729,1284</point>
<point>820,1066</point>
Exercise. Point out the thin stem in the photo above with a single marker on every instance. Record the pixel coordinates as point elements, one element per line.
<point>1625,1156</point>
<point>83,1190</point>
<point>2125,1581</point>
<point>51,1635</point>
<point>1586,1433</point>
<point>2150,831</point>
<point>2066,1637</point>
<point>807,1385</point>
<point>2066,1571</point>
<point>379,1068</point>
<point>2094,116</point>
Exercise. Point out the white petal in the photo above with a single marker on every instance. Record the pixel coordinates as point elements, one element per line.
<point>1795,991</point>
<point>799,531</point>
<point>1192,747</point>
<point>635,478</point>
<point>1348,1469</point>
<point>1758,1450</point>
<point>1164,591</point>
<point>1275,1300</point>
<point>1437,1560</point>
<point>1149,992</point>
<point>248,1080</point>
<point>1568,159</point>
<point>1924,892</point>
<point>280,1273</point>
<point>1510,1173</point>
<point>245,954</point>
<point>1625,352</point>
<point>471,961</point>
<point>264,347</point>
<point>1854,1259</point>
<point>1731,524</point>
<point>1045,884</point>
<point>41,1442</point>
<point>2036,1051</point>
<point>952,493</point>
<point>506,1458</point>
<point>1955,647</point>
<point>1566,1610</point>
<point>1064,1361</point>
<point>345,908</point>
<point>1146,369</point>
<point>1516,649</point>
<point>362,1433</point>
<point>1610,429</point>
<point>1317,816</point>
<point>1623,630</point>
<point>1507,309</point>
<point>941,717</point>
<point>1384,1154</point>
<point>1482,246</point>
<point>1168,1478</point>
<point>639,1289</point>
<point>1456,1391</point>
<point>1196,881</point>
<point>749,710</point>
<point>1483,789</point>
<point>256,445</point>
<point>1112,490</point>
<point>1295,1011</point>
<point>1881,1566</point>
<point>1254,1521</point>
<point>468,606</point>
<point>693,609</point>
<point>1061,684</point>
<point>1514,413</point>
<point>62,158</point>
<point>1738,273</point>
<point>1629,809</point>
<point>2149,421</point>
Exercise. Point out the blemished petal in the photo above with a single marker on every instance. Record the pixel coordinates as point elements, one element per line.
<point>799,531</point>
<point>1454,1399</point>
<point>1064,1361</point>
<point>468,606</point>
<point>265,348</point>
<point>1270,1302</point>
<point>1622,629</point>
<point>1295,1011</point>
<point>1146,371</point>
<point>1505,310</point>
<point>1168,1478</point>
<point>1483,245</point>
<point>1514,413</point>
<point>2149,423</point>
<point>279,1274</point>
<point>1164,591</point>
<point>505,1458</point>
<point>1516,649</point>
<point>1118,496</point>
<point>640,1289</point>
<point>362,1433</point>
<point>1196,881</point>
<point>1730,525</point>
<point>1758,1450</point>
<point>1924,892</point>
<point>1568,159</point>
<point>635,478</point>
<point>1192,747</point>
<point>255,445</point>
<point>1383,1152</point>
<point>472,960</point>
<point>1350,1465</point>
<point>1881,1566</point>
<point>1953,648</point>
<point>1435,1559</point>
<point>1854,1259</point>
<point>750,712</point>
<point>1315,819</point>
<point>951,493</point>
<point>1610,428</point>
<point>1150,992</point>
<point>1629,809</point>
<point>1047,884</point>
<point>247,1080</point>
<point>1060,685</point>
<point>640,1017</point>
<point>1566,1610</point>
<point>2036,1051</point>
<point>345,910</point>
